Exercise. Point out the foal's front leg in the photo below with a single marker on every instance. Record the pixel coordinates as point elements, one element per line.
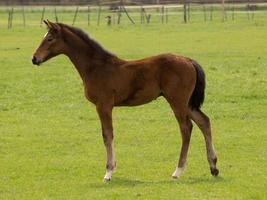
<point>105,115</point>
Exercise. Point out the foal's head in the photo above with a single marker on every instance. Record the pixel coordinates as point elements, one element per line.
<point>52,44</point>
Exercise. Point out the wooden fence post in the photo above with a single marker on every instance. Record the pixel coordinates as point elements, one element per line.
<point>88,15</point>
<point>204,10</point>
<point>185,12</point>
<point>56,18</point>
<point>158,13</point>
<point>98,14</point>
<point>188,12</point>
<point>166,15</point>
<point>253,11</point>
<point>12,12</point>
<point>42,17</point>
<point>23,16</point>
<point>127,14</point>
<point>142,15</point>
<point>10,18</point>
<point>8,21</point>
<point>223,11</point>
<point>162,14</point>
<point>211,12</point>
<point>119,15</point>
<point>233,11</point>
<point>113,17</point>
<point>75,15</point>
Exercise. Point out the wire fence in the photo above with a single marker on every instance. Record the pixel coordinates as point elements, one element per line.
<point>110,15</point>
<point>117,2</point>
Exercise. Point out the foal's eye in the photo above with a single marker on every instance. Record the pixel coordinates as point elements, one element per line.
<point>49,39</point>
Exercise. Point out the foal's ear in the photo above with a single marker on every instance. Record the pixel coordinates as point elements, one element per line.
<point>53,27</point>
<point>46,23</point>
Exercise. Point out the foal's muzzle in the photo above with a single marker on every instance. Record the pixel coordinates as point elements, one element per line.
<point>35,61</point>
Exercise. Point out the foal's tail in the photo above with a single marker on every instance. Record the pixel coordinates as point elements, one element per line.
<point>197,98</point>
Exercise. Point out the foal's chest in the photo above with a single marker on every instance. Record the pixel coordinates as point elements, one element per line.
<point>95,91</point>
<point>90,94</point>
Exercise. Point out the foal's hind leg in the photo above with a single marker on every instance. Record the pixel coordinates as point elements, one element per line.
<point>182,116</point>
<point>203,123</point>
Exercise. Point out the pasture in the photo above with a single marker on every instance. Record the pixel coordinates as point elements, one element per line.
<point>50,139</point>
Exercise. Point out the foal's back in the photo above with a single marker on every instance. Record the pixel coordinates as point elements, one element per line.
<point>141,81</point>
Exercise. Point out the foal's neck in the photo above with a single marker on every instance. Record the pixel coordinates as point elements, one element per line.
<point>86,57</point>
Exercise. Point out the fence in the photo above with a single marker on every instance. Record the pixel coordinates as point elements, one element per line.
<point>111,14</point>
<point>125,2</point>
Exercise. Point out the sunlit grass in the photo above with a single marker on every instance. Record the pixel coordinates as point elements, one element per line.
<point>50,140</point>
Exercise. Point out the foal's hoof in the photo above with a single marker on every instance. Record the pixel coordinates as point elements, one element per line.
<point>106,180</point>
<point>175,177</point>
<point>177,173</point>
<point>214,171</point>
<point>107,176</point>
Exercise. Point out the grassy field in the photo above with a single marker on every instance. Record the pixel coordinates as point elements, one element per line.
<point>50,140</point>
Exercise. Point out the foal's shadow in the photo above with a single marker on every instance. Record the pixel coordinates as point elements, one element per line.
<point>202,179</point>
<point>124,182</point>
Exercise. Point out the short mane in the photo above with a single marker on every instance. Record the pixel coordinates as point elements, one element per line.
<point>91,42</point>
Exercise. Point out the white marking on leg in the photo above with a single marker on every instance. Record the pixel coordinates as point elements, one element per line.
<point>178,171</point>
<point>108,175</point>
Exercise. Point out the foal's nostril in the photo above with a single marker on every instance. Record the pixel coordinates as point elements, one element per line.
<point>34,60</point>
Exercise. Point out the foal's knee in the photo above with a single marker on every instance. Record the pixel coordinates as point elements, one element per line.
<point>107,137</point>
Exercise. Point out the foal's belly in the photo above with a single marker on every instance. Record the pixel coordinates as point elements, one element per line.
<point>139,96</point>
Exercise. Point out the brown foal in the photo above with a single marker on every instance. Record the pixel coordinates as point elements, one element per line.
<point>110,81</point>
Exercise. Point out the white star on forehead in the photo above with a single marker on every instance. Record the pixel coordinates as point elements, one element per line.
<point>45,35</point>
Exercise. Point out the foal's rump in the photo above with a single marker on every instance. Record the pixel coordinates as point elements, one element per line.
<point>178,78</point>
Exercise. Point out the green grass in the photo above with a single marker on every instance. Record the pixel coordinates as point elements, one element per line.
<point>50,140</point>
